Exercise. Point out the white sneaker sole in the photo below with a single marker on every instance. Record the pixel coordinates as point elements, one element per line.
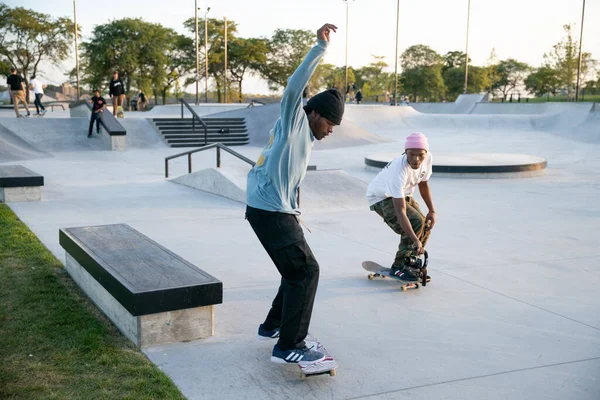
<point>302,364</point>
<point>265,338</point>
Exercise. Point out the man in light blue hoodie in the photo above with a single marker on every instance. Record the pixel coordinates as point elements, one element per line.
<point>272,205</point>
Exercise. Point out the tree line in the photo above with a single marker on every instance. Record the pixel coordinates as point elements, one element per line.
<point>161,61</point>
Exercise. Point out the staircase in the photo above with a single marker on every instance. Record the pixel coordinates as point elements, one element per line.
<point>178,132</point>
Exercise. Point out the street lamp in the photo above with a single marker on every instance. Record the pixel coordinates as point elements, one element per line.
<point>396,58</point>
<point>225,70</point>
<point>197,55</point>
<point>467,47</point>
<point>205,54</point>
<point>76,48</point>
<point>580,55</point>
<point>347,2</point>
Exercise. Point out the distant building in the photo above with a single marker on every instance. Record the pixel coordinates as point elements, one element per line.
<point>68,90</point>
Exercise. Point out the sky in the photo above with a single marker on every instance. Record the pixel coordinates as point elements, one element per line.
<point>520,29</point>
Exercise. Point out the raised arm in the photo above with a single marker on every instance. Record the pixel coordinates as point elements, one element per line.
<point>292,96</point>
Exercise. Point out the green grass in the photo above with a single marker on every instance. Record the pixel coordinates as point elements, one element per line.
<point>54,343</point>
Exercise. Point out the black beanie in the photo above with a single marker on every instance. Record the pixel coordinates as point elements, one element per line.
<point>329,104</point>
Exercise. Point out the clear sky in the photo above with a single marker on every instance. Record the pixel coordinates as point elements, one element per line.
<point>521,29</point>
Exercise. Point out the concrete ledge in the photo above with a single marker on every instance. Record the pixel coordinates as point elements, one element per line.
<point>152,295</point>
<point>20,194</point>
<point>113,142</point>
<point>146,330</point>
<point>489,165</point>
<point>18,183</point>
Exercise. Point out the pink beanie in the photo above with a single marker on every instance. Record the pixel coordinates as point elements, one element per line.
<point>416,140</point>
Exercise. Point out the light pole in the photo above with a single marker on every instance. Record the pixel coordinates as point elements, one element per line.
<point>76,47</point>
<point>197,55</point>
<point>396,61</point>
<point>467,47</point>
<point>225,69</point>
<point>206,54</point>
<point>347,2</point>
<point>580,55</point>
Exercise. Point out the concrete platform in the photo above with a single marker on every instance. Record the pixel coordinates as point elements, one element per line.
<point>485,165</point>
<point>511,312</point>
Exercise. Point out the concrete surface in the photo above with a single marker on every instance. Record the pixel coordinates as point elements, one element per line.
<point>511,312</point>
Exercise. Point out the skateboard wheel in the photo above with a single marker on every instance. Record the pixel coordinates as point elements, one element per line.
<point>416,285</point>
<point>370,277</point>
<point>404,288</point>
<point>332,372</point>
<point>302,376</point>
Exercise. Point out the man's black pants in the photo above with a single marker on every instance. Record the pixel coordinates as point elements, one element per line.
<point>283,239</point>
<point>95,118</point>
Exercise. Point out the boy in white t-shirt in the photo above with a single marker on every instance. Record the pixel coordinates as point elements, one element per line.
<point>38,91</point>
<point>390,195</point>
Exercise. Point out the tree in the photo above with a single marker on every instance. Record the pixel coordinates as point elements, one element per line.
<point>246,55</point>
<point>373,80</point>
<point>418,56</point>
<point>544,81</point>
<point>329,76</point>
<point>216,49</point>
<point>27,38</point>
<point>564,58</point>
<point>286,50</point>
<point>425,83</point>
<point>491,69</point>
<point>165,62</point>
<point>422,73</point>
<point>454,79</point>
<point>511,74</point>
<point>454,59</point>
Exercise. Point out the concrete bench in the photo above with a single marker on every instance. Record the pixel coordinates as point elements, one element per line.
<point>152,295</point>
<point>115,132</point>
<point>18,183</point>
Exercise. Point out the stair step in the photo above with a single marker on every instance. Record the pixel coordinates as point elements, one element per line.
<point>207,120</point>
<point>200,144</point>
<point>201,138</point>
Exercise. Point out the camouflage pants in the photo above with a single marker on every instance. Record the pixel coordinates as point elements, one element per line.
<point>385,209</point>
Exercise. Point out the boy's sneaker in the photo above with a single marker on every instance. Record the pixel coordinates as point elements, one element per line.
<point>266,334</point>
<point>303,356</point>
<point>404,273</point>
<point>89,135</point>
<point>43,112</point>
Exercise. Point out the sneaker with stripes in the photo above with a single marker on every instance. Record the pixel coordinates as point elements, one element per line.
<point>303,356</point>
<point>264,334</point>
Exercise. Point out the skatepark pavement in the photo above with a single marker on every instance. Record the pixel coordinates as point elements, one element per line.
<point>512,308</point>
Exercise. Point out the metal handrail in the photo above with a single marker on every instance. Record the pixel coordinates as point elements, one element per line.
<point>194,118</point>
<point>218,146</point>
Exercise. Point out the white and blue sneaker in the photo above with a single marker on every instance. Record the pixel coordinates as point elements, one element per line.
<point>303,356</point>
<point>264,334</point>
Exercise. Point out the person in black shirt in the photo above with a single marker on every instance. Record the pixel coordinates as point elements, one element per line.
<point>116,91</point>
<point>16,90</point>
<point>141,100</point>
<point>98,106</point>
<point>358,96</point>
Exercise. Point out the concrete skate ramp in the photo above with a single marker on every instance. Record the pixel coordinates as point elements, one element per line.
<point>320,190</point>
<point>260,121</point>
<point>577,121</point>
<point>463,105</point>
<point>70,134</point>
<point>13,148</point>
<point>530,108</point>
